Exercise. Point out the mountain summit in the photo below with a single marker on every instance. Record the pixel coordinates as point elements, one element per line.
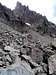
<point>35,19</point>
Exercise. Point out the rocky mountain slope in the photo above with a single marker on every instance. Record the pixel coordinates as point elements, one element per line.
<point>38,22</point>
<point>27,46</point>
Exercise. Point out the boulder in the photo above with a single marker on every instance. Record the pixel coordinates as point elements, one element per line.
<point>9,49</point>
<point>8,58</point>
<point>17,69</point>
<point>52,64</point>
<point>54,42</point>
<point>38,70</point>
<point>37,55</point>
<point>26,57</point>
<point>49,51</point>
<point>1,63</point>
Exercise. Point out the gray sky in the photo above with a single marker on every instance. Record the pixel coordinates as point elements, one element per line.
<point>44,7</point>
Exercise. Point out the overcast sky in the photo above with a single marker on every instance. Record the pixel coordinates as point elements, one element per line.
<point>45,7</point>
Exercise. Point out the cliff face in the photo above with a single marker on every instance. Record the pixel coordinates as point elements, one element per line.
<point>38,22</point>
<point>21,15</point>
<point>27,15</point>
<point>7,16</point>
<point>6,13</point>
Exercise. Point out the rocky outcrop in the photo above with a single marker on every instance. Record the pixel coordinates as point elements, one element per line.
<point>22,16</point>
<point>38,22</point>
<point>27,15</point>
<point>7,16</point>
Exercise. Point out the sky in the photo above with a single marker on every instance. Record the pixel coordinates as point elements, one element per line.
<point>45,7</point>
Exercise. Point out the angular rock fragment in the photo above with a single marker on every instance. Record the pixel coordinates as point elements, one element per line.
<point>26,57</point>
<point>9,49</point>
<point>1,64</point>
<point>8,59</point>
<point>54,42</point>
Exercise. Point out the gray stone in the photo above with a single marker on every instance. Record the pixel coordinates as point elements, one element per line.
<point>8,58</point>
<point>27,57</point>
<point>42,74</point>
<point>1,63</point>
<point>9,49</point>
<point>54,42</point>
<point>38,70</point>
<point>52,64</point>
<point>17,69</point>
<point>37,55</point>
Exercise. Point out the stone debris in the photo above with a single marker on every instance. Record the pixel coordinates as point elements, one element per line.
<point>15,49</point>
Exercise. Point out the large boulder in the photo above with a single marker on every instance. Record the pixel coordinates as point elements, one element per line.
<point>19,69</point>
<point>37,55</point>
<point>52,64</point>
<point>53,45</point>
